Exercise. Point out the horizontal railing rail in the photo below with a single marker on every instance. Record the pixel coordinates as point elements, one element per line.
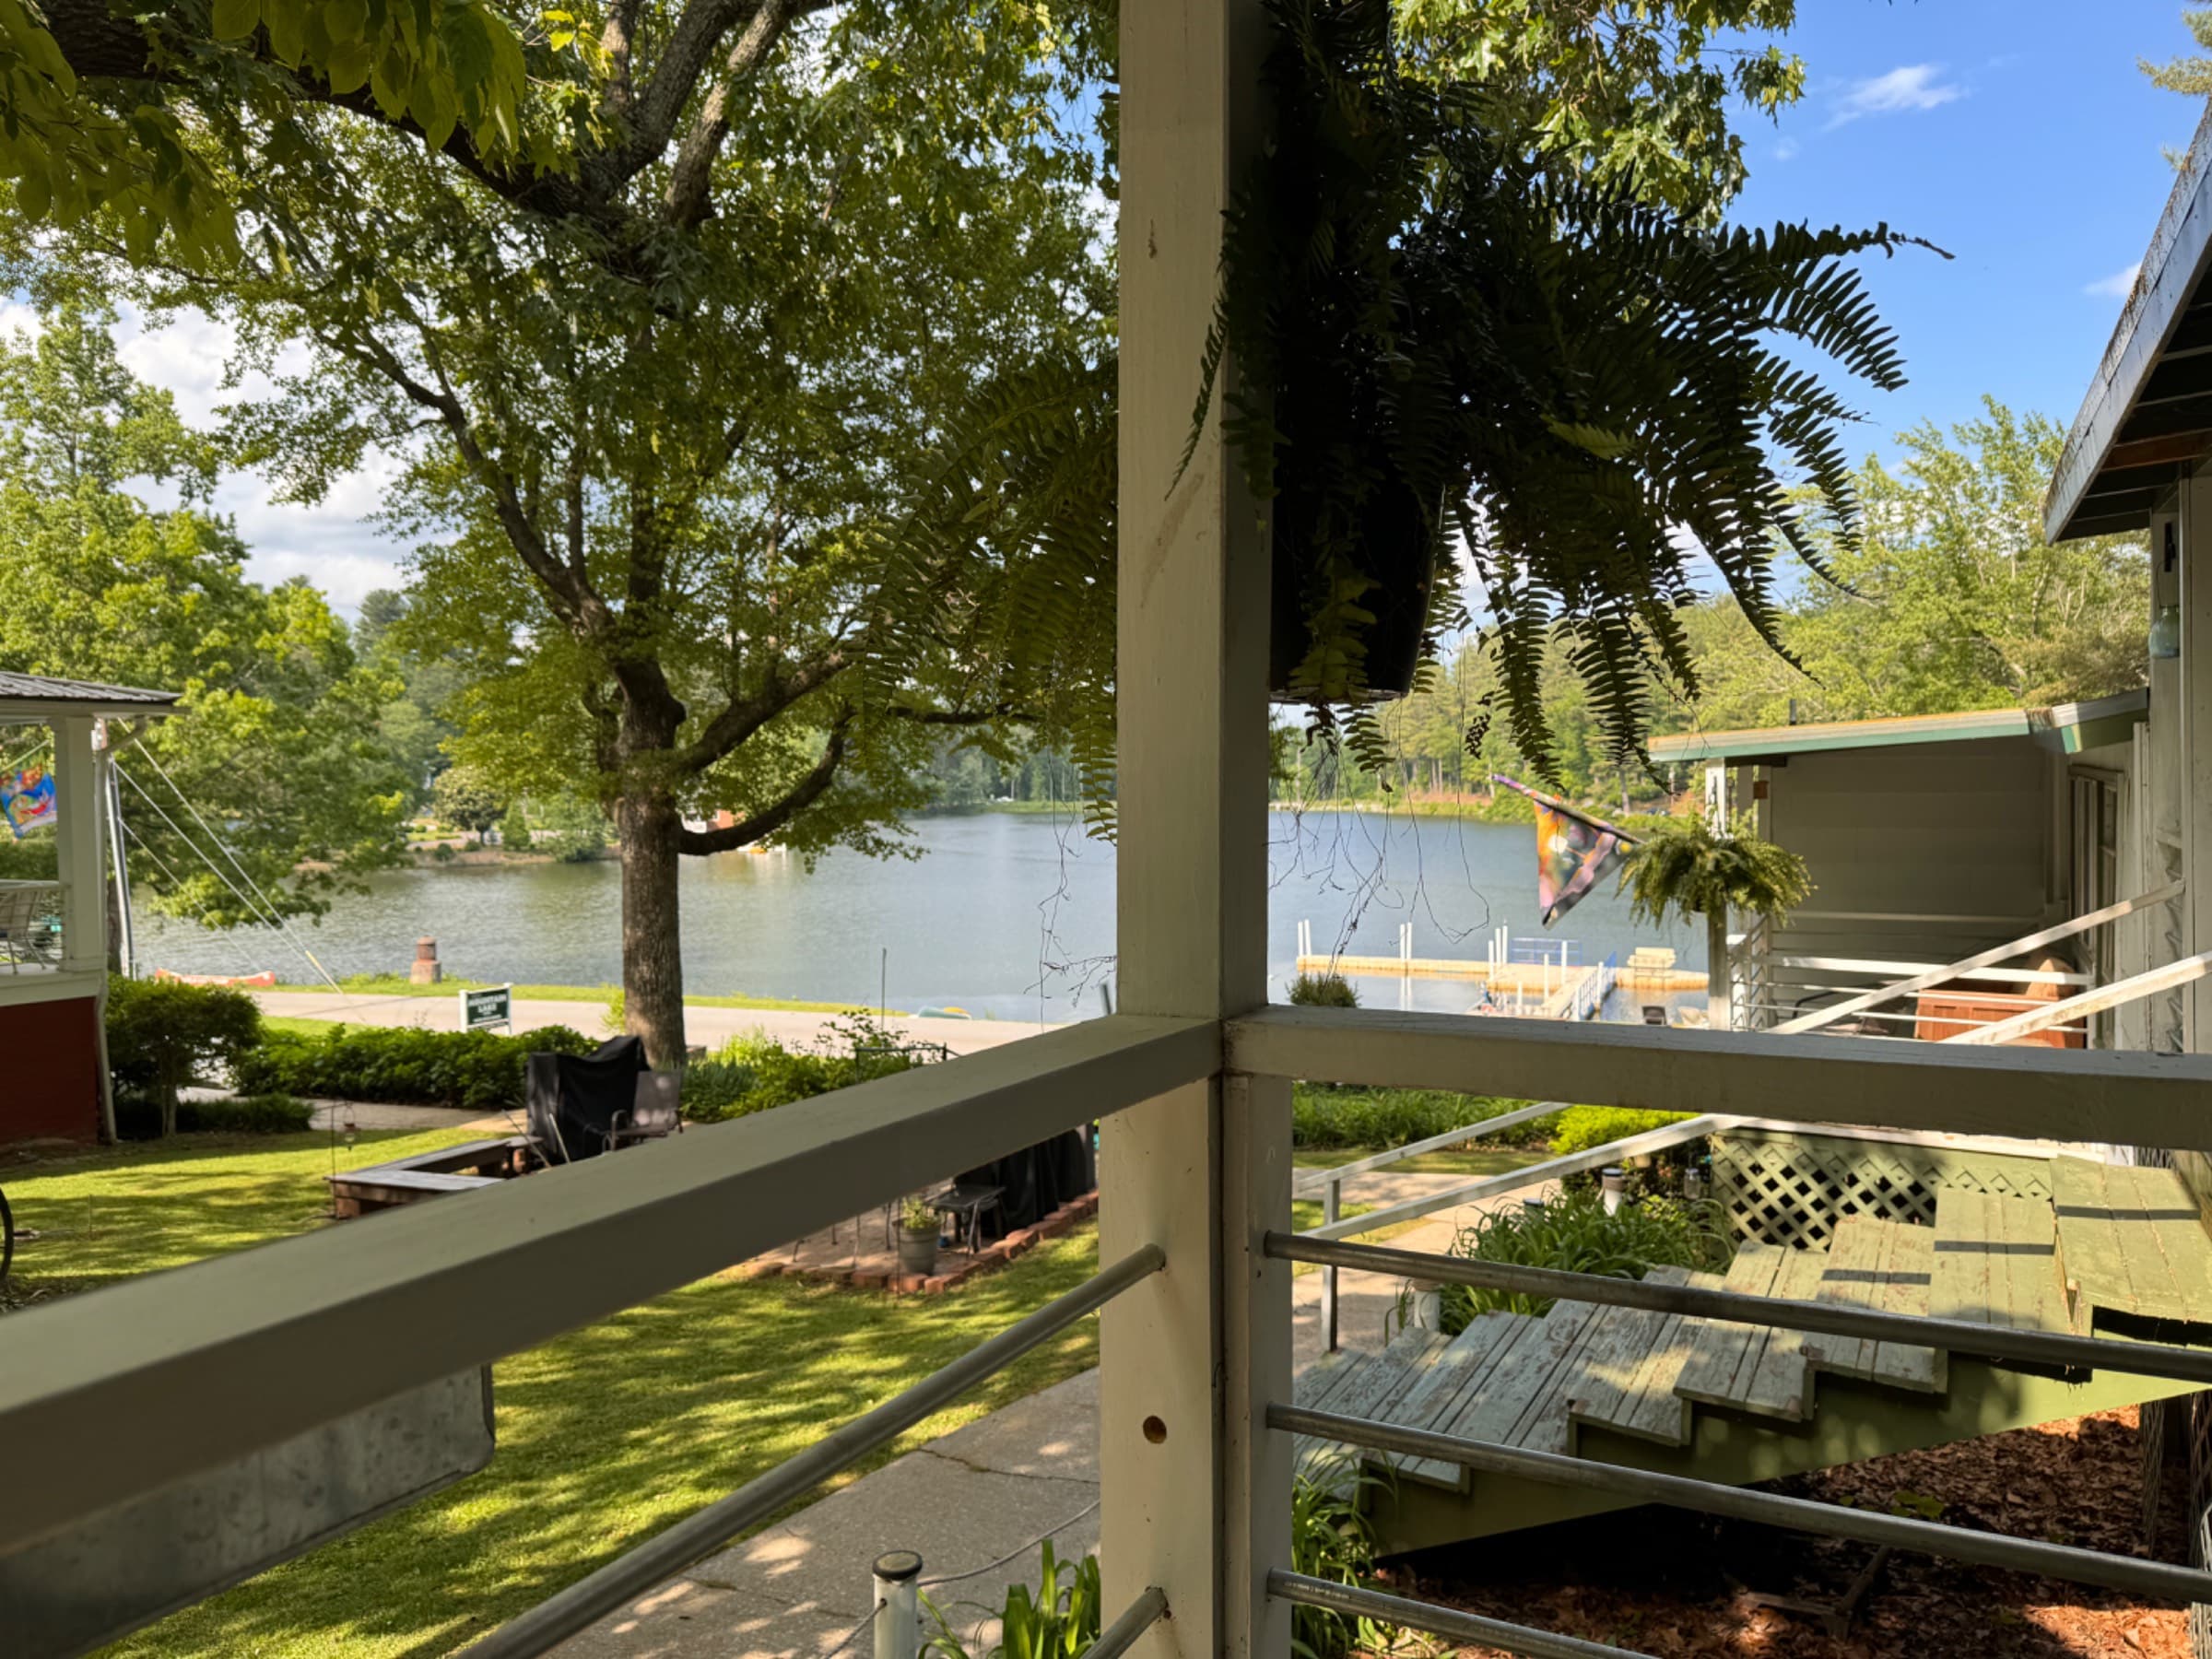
<point>2106,1095</point>
<point>671,1551</point>
<point>2067,1561</point>
<point>1834,1319</point>
<point>1555,1169</point>
<point>1121,1635</point>
<point>1313,1181</point>
<point>118,1393</point>
<point>1301,1590</point>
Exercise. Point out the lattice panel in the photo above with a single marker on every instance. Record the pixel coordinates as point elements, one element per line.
<point>1792,1190</point>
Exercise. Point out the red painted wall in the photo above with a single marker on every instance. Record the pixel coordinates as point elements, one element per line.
<point>50,1071</point>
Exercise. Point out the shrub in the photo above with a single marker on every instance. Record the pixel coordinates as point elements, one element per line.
<point>1324,990</point>
<point>1583,1127</point>
<point>1573,1234</point>
<point>1325,1115</point>
<point>712,1086</point>
<point>479,1071</point>
<point>752,1074</point>
<point>139,1116</point>
<point>164,1034</point>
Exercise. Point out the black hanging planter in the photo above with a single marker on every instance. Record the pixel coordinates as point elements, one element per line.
<point>1398,547</point>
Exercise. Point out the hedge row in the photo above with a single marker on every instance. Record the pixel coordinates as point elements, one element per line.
<point>479,1071</point>
<point>1324,1114</point>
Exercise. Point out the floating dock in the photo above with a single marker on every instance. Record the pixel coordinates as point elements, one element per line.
<point>1540,978</point>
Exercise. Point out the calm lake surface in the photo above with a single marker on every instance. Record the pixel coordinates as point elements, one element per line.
<point>1008,915</point>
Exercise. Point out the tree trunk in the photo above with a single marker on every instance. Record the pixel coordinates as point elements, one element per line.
<point>653,967</point>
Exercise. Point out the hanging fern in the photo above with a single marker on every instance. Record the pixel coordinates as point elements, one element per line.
<point>1579,389</point>
<point>1689,869</point>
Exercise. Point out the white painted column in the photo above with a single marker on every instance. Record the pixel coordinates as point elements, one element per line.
<point>1196,1492</point>
<point>81,810</point>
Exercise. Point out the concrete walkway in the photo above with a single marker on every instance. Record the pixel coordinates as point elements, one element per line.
<point>965,1501</point>
<point>440,1011</point>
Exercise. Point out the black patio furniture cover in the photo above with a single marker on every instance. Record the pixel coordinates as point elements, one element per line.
<point>1037,1180</point>
<point>572,1099</point>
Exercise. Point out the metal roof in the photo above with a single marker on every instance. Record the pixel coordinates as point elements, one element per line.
<point>39,695</point>
<point>2070,727</point>
<point>2148,412</point>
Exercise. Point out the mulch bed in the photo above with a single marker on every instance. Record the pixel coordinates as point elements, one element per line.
<point>822,1257</point>
<point>1678,1586</point>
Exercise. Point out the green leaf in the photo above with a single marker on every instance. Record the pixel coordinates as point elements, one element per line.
<point>235,19</point>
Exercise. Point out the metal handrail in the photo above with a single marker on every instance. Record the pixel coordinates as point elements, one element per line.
<point>2067,1562</point>
<point>1735,1307</point>
<point>1120,1636</point>
<point>669,1552</point>
<point>1301,1591</point>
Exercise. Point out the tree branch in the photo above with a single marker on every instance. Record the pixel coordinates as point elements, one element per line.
<point>687,202</point>
<point>803,794</point>
<point>740,719</point>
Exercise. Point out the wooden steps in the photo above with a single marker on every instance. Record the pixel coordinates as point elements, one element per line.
<point>2129,1245</point>
<point>1996,1262</point>
<point>1751,1367</point>
<point>1889,1267</point>
<point>1630,1366</point>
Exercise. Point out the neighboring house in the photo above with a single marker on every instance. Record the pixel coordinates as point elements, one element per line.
<point>53,934</point>
<point>1932,838</point>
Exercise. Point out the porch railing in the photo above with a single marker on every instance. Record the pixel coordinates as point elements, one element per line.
<point>218,1360</point>
<point>30,925</point>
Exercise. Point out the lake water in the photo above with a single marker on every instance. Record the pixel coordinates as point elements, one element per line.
<point>1009,916</point>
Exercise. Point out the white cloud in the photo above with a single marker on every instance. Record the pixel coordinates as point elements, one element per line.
<point>2118,286</point>
<point>1906,89</point>
<point>1785,150</point>
<point>331,544</point>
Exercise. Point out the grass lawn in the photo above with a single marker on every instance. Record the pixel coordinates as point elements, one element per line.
<point>605,1435</point>
<point>397,985</point>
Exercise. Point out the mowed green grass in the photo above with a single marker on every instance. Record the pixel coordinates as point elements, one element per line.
<point>604,1436</point>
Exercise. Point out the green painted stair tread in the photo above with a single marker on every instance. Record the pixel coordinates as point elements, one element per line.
<point>1615,1351</point>
<point>1464,1362</point>
<point>2130,1242</point>
<point>1724,1354</point>
<point>1322,1386</point>
<point>1781,1379</point>
<point>1545,1424</point>
<point>1996,1262</point>
<point>1889,1267</point>
<point>1509,1336</point>
<point>1511,1388</point>
<point>1650,1408</point>
<point>1370,1388</point>
<point>1325,1377</point>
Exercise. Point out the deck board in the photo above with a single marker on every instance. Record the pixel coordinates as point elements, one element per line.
<point>2130,1242</point>
<point>2035,1296</point>
<point>1781,1380</point>
<point>1724,1354</point>
<point>1853,1276</point>
<point>1652,1409</point>
<point>1612,1353</point>
<point>1908,1278</point>
<point>1511,1387</point>
<point>1965,1247</point>
<point>1462,1364</point>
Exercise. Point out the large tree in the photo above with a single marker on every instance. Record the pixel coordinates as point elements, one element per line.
<point>658,379</point>
<point>279,740</point>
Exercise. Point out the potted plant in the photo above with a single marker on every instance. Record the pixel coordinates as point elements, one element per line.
<point>1442,347</point>
<point>917,1239</point>
<point>1689,867</point>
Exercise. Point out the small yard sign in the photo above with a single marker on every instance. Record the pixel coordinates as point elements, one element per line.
<point>481,1010</point>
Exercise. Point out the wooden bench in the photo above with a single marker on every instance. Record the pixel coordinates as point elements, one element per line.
<point>425,1175</point>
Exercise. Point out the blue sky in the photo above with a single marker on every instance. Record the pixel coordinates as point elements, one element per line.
<point>2020,137</point>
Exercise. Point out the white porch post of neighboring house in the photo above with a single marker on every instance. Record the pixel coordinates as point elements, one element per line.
<point>80,806</point>
<point>1197,1490</point>
<point>80,811</point>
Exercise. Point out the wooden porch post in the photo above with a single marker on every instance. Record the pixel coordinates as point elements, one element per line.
<point>1196,1490</point>
<point>81,810</point>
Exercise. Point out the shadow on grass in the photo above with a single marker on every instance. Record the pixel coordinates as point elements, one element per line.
<point>604,1436</point>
